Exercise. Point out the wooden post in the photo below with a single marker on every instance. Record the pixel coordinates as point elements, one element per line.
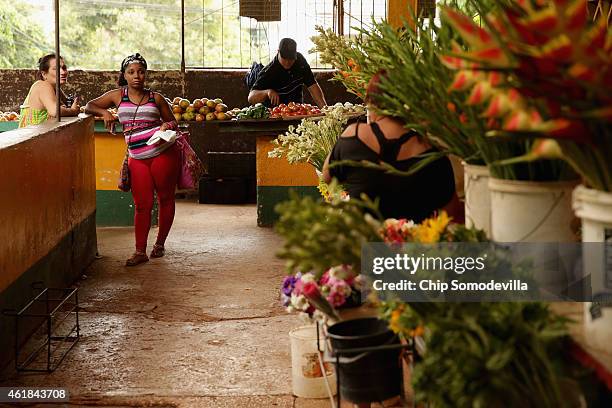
<point>399,10</point>
<point>58,92</point>
<point>340,17</point>
<point>183,36</point>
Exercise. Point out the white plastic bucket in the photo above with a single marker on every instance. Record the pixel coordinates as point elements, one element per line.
<point>594,208</point>
<point>477,197</point>
<point>308,380</point>
<point>528,211</point>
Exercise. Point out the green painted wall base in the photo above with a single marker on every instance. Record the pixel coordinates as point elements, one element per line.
<point>269,196</point>
<point>58,269</point>
<point>116,209</point>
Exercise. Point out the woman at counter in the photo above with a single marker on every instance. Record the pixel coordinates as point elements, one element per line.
<point>386,139</point>
<point>154,167</point>
<point>41,102</point>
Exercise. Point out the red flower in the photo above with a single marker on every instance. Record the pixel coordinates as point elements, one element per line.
<point>311,290</point>
<point>568,129</point>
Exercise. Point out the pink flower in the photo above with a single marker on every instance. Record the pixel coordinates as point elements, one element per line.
<point>336,299</point>
<point>341,287</point>
<point>325,278</point>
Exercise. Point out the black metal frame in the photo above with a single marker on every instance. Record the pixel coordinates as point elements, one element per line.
<point>53,318</point>
<point>337,354</point>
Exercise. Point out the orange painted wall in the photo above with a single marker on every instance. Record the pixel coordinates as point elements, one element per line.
<point>110,152</point>
<point>47,186</point>
<point>278,172</point>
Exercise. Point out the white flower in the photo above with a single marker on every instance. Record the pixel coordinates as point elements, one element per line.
<point>308,277</point>
<point>341,272</point>
<point>358,282</point>
<point>299,302</point>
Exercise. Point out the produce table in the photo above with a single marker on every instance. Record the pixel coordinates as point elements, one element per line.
<point>225,146</point>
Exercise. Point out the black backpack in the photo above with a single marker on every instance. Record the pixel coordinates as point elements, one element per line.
<point>252,75</point>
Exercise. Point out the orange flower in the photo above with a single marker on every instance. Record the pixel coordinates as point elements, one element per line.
<point>353,65</point>
<point>418,331</point>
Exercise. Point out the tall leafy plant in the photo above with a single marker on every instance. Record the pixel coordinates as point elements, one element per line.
<point>487,355</point>
<point>541,69</point>
<point>419,88</point>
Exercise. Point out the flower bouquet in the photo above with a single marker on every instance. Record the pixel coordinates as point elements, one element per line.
<point>541,70</point>
<point>338,287</point>
<point>437,228</point>
<point>311,141</point>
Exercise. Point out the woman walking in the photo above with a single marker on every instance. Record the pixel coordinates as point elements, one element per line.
<point>153,168</point>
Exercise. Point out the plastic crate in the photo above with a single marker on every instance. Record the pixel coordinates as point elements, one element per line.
<point>231,164</point>
<point>225,190</point>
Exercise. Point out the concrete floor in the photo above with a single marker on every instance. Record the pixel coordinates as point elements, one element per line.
<point>201,327</point>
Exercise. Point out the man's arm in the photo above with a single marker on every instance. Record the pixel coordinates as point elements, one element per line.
<point>257,95</point>
<point>317,94</point>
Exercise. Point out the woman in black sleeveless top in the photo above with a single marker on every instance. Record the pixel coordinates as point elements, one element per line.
<point>385,139</point>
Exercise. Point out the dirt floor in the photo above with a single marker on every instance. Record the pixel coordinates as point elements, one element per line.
<point>201,327</point>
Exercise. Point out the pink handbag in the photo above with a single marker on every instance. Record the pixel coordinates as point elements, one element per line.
<point>191,169</point>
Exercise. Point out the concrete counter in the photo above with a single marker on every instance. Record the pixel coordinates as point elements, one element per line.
<point>47,211</point>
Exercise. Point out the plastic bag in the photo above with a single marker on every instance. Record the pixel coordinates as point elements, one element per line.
<point>191,169</point>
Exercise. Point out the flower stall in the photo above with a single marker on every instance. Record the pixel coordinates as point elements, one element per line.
<point>522,94</point>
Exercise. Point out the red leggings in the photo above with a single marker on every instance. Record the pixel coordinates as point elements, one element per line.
<point>159,173</point>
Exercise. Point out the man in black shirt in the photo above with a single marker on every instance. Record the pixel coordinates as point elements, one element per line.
<point>282,79</point>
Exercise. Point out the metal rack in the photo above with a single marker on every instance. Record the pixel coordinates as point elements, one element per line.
<point>46,329</point>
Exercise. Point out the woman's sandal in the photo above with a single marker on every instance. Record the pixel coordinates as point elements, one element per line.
<point>137,259</point>
<point>158,251</point>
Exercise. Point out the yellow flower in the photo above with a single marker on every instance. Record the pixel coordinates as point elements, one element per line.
<point>440,222</point>
<point>396,315</point>
<point>394,323</point>
<point>430,230</point>
<point>426,235</point>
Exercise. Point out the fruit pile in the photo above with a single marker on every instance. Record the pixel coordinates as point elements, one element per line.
<point>257,111</point>
<point>200,110</point>
<point>8,116</point>
<point>295,109</point>
<point>347,109</point>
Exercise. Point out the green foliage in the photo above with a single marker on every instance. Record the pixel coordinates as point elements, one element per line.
<point>488,355</point>
<point>100,36</point>
<point>22,43</point>
<point>318,235</point>
<point>417,89</point>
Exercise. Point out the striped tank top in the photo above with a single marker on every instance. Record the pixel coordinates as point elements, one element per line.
<point>139,129</point>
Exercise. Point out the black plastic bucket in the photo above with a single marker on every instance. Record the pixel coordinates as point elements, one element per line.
<point>370,376</point>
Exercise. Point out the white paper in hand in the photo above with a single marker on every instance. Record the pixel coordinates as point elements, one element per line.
<point>167,136</point>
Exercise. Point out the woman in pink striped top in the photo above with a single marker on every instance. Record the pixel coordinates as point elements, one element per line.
<point>154,167</point>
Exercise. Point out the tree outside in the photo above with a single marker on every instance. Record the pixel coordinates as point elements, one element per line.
<point>98,34</point>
